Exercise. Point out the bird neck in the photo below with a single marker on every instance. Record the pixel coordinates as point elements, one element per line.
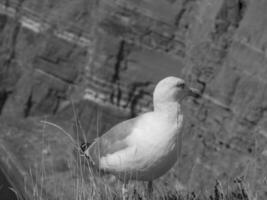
<point>171,109</point>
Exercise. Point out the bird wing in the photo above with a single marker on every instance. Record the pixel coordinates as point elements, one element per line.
<point>112,141</point>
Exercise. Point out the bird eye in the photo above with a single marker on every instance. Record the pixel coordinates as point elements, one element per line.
<point>181,85</point>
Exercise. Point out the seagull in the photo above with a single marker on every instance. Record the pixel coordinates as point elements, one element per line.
<point>145,147</point>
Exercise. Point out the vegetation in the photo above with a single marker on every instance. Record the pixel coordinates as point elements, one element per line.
<point>89,184</point>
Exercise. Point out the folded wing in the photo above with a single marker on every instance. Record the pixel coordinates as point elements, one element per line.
<point>111,142</point>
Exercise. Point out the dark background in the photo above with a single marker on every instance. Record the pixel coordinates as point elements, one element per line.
<point>5,192</point>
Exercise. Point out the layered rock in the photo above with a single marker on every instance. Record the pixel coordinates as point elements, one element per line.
<point>113,52</point>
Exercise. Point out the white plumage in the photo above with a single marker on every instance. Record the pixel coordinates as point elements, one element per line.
<point>149,152</point>
<point>145,147</point>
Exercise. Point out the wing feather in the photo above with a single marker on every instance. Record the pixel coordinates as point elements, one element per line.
<point>112,141</point>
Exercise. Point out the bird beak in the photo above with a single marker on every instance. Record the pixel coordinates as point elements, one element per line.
<point>193,92</point>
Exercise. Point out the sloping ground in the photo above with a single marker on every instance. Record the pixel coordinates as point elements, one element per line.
<point>41,161</point>
<point>6,191</point>
<point>30,155</point>
<point>218,46</point>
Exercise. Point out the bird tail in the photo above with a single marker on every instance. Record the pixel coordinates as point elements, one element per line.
<point>84,146</point>
<point>89,161</point>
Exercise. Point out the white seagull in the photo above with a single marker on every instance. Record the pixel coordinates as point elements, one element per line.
<point>145,147</point>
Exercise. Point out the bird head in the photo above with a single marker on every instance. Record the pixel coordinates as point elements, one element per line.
<point>172,89</point>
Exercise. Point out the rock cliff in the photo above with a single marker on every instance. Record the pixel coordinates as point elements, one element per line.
<point>112,52</point>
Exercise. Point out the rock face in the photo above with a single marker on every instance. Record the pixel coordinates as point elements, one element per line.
<point>112,53</point>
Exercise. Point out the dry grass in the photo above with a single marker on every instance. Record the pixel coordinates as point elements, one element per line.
<point>89,185</point>
<point>80,182</point>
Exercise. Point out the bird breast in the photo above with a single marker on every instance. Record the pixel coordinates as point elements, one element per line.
<point>154,138</point>
<point>151,148</point>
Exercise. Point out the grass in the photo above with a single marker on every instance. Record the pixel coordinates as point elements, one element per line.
<point>78,181</point>
<point>87,185</point>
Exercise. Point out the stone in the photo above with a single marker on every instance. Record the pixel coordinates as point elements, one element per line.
<point>120,49</point>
